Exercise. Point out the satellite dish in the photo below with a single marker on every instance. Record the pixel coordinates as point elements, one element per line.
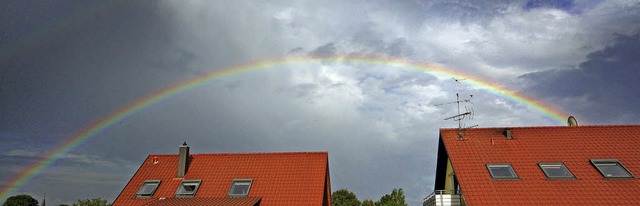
<point>572,121</point>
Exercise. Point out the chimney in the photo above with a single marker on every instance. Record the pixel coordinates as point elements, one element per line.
<point>183,160</point>
<point>507,134</point>
<point>572,122</point>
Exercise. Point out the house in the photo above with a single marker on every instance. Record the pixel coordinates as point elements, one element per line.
<point>568,165</point>
<point>283,178</point>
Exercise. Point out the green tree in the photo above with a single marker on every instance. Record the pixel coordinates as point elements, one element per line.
<point>396,198</point>
<point>92,202</point>
<point>21,200</point>
<point>64,205</point>
<point>344,197</point>
<point>368,203</point>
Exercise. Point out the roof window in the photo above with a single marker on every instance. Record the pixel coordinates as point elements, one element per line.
<point>148,188</point>
<point>555,170</point>
<point>611,168</point>
<point>502,171</point>
<point>188,188</point>
<point>240,187</point>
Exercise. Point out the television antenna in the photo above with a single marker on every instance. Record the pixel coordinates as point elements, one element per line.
<point>468,114</point>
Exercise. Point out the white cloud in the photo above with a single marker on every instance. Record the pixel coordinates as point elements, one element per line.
<point>518,41</point>
<point>94,160</point>
<point>22,153</point>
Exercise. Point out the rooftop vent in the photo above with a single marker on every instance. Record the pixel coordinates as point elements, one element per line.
<point>507,134</point>
<point>183,160</point>
<point>572,122</point>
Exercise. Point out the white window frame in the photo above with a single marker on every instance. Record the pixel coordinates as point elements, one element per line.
<point>544,165</point>
<point>507,165</point>
<point>188,194</point>
<point>601,162</point>
<point>242,181</point>
<point>146,183</point>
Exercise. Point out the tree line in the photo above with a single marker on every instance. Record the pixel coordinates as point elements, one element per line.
<point>27,200</point>
<point>344,197</point>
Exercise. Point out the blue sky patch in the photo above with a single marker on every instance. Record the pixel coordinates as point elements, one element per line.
<point>565,5</point>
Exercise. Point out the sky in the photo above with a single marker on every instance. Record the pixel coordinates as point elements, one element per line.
<point>65,65</point>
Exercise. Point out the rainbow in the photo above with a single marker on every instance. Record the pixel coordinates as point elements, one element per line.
<point>85,134</point>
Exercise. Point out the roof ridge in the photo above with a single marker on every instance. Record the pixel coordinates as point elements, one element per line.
<point>249,153</point>
<point>545,127</point>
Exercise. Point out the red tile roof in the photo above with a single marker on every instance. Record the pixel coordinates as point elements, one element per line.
<point>243,201</point>
<point>290,178</point>
<point>574,146</point>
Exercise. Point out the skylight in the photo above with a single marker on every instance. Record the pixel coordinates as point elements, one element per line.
<point>240,187</point>
<point>188,188</point>
<point>611,168</point>
<point>555,170</point>
<point>502,171</point>
<point>148,188</point>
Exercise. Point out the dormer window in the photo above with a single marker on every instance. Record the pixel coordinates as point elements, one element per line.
<point>611,168</point>
<point>502,171</point>
<point>188,188</point>
<point>555,170</point>
<point>148,188</point>
<point>240,187</point>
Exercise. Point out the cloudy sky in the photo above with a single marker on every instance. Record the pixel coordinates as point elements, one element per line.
<point>67,64</point>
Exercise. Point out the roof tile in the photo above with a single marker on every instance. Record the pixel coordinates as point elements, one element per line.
<point>574,146</point>
<point>246,201</point>
<point>287,178</point>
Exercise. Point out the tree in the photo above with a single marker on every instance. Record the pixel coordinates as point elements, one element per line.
<point>344,197</point>
<point>368,203</point>
<point>92,202</point>
<point>396,198</point>
<point>21,200</point>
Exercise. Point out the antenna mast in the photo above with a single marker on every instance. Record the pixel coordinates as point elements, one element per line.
<point>461,116</point>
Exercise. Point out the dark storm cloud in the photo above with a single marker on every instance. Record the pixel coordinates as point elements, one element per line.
<point>94,60</point>
<point>463,12</point>
<point>369,36</point>
<point>26,19</point>
<point>607,80</point>
<point>66,64</point>
<point>399,48</point>
<point>374,42</point>
<point>324,50</point>
<point>296,50</point>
